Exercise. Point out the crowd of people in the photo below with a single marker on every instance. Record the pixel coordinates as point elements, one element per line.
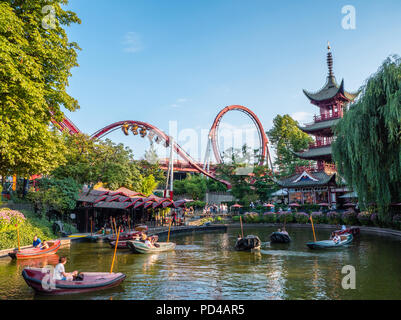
<point>211,209</point>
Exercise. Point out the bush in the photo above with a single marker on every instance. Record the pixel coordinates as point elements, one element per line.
<point>28,228</point>
<point>251,217</point>
<point>302,217</point>
<point>286,216</point>
<point>364,218</point>
<point>236,218</point>
<point>319,217</point>
<point>270,217</point>
<point>334,217</point>
<point>350,217</point>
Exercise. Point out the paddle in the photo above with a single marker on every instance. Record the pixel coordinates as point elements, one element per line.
<point>313,228</point>
<point>19,246</point>
<point>115,251</point>
<point>242,228</point>
<point>169,227</point>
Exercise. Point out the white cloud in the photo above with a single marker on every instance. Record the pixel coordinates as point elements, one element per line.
<point>179,102</point>
<point>133,42</point>
<point>303,117</point>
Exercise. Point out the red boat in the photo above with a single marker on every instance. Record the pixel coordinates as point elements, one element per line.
<point>125,236</point>
<point>42,282</point>
<point>31,253</point>
<point>121,244</point>
<point>355,231</point>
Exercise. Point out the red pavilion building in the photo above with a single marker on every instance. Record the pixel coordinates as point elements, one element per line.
<point>317,183</point>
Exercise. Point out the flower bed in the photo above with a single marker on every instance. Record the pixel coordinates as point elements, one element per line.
<point>302,217</point>
<point>334,217</point>
<point>286,216</point>
<point>270,217</point>
<point>350,217</point>
<point>364,218</point>
<point>319,217</point>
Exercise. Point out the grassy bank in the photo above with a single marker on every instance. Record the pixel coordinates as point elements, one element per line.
<point>28,224</point>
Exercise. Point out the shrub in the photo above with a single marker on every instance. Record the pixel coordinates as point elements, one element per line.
<point>28,228</point>
<point>250,217</point>
<point>236,218</point>
<point>286,216</point>
<point>334,217</point>
<point>364,218</point>
<point>350,217</point>
<point>9,219</point>
<point>302,217</point>
<point>270,217</point>
<point>319,217</point>
<point>397,221</point>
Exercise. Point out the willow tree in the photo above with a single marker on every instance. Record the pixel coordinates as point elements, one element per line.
<point>367,150</point>
<point>36,58</point>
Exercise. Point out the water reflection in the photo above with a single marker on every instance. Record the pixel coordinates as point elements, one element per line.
<point>205,266</point>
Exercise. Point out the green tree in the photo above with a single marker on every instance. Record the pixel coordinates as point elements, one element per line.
<point>90,162</point>
<point>193,185</point>
<point>147,185</point>
<point>55,194</point>
<point>287,138</point>
<point>367,149</point>
<point>35,65</point>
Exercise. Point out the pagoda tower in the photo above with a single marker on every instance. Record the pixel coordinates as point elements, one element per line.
<point>316,184</point>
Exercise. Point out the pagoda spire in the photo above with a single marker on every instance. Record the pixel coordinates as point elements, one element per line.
<point>330,60</point>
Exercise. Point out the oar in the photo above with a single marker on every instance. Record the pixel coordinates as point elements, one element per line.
<point>169,227</point>
<point>19,245</point>
<point>242,228</point>
<point>115,251</point>
<point>313,228</point>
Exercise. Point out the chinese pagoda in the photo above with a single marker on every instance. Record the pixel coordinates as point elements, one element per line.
<point>317,184</point>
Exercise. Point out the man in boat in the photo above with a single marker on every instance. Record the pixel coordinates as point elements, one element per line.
<point>336,238</point>
<point>59,271</point>
<point>36,241</point>
<point>284,232</point>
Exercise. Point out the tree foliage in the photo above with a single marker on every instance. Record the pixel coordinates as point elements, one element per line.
<point>55,194</point>
<point>367,150</point>
<point>193,185</point>
<point>287,138</point>
<point>35,65</point>
<point>90,162</point>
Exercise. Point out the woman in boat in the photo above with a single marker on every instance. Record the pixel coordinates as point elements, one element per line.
<point>59,271</point>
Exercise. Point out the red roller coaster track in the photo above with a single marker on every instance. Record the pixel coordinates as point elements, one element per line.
<point>213,136</point>
<point>153,131</point>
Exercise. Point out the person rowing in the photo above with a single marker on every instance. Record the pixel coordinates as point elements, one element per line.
<point>336,239</point>
<point>36,241</point>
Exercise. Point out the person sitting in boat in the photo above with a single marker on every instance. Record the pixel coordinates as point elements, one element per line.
<point>36,241</point>
<point>44,245</point>
<point>343,228</point>
<point>59,271</point>
<point>143,237</point>
<point>284,232</point>
<point>336,239</point>
<point>239,237</point>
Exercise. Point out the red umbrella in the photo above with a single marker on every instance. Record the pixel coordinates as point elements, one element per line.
<point>294,205</point>
<point>236,206</point>
<point>269,205</point>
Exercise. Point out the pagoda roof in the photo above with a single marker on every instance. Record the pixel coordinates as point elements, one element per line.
<point>331,89</point>
<point>314,153</point>
<point>317,126</point>
<point>307,179</point>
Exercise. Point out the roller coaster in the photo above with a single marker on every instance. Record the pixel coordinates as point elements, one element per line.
<point>144,129</point>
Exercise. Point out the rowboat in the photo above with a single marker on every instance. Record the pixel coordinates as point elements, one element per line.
<point>124,244</point>
<point>36,252</point>
<point>248,243</point>
<point>355,231</point>
<point>140,247</point>
<point>125,236</point>
<point>327,244</point>
<point>41,280</point>
<point>279,237</point>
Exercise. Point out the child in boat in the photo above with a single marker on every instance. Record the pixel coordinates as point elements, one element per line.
<point>44,245</point>
<point>59,271</point>
<point>36,241</point>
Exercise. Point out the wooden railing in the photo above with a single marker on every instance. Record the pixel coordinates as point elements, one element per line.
<point>324,142</point>
<point>327,116</point>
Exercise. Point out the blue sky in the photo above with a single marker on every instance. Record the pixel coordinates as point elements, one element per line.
<point>184,60</point>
